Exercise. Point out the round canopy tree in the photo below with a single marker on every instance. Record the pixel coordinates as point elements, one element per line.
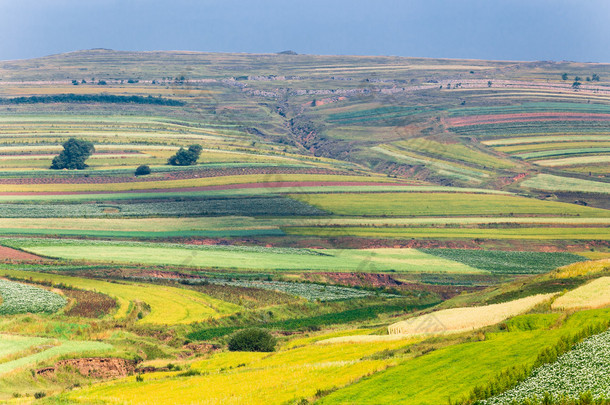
<point>75,152</point>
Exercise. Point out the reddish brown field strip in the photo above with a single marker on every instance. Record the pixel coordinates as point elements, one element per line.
<point>295,185</point>
<point>7,253</point>
<point>181,175</point>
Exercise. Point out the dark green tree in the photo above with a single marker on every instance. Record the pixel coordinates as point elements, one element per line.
<point>75,152</point>
<point>143,170</point>
<point>595,77</point>
<point>252,340</point>
<point>564,76</point>
<point>186,157</point>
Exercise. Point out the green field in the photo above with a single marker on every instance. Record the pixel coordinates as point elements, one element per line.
<point>420,204</point>
<point>557,183</point>
<point>554,233</point>
<point>384,260</point>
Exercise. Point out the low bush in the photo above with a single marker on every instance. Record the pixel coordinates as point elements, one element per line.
<point>143,170</point>
<point>252,340</point>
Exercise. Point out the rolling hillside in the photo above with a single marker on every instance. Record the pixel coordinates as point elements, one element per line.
<point>334,196</point>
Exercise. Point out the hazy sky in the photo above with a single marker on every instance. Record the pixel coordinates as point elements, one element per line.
<point>483,29</point>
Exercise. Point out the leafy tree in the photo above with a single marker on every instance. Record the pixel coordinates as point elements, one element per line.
<point>142,170</point>
<point>576,84</point>
<point>186,157</point>
<point>489,83</point>
<point>75,82</point>
<point>75,152</point>
<point>564,76</point>
<point>101,82</point>
<point>252,340</point>
<point>595,77</point>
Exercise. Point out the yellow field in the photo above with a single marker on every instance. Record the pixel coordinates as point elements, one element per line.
<point>250,378</point>
<point>595,294</point>
<point>457,320</point>
<point>168,305</point>
<point>594,255</point>
<point>582,268</point>
<point>365,339</point>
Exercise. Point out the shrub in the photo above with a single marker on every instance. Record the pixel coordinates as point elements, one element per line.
<point>142,170</point>
<point>186,157</point>
<point>252,340</point>
<point>75,152</point>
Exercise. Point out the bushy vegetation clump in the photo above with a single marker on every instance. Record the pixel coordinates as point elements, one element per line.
<point>143,170</point>
<point>186,157</point>
<point>252,340</point>
<point>92,98</point>
<point>75,152</point>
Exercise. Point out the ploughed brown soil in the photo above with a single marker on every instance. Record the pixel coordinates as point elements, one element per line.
<point>89,304</point>
<point>94,367</point>
<point>10,254</point>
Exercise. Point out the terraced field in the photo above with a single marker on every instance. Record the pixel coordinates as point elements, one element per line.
<point>244,258</point>
<point>334,196</point>
<point>167,305</point>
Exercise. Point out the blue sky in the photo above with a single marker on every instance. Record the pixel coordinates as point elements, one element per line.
<point>481,29</point>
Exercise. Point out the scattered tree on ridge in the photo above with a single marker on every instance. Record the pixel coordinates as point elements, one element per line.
<point>564,76</point>
<point>185,157</point>
<point>75,152</point>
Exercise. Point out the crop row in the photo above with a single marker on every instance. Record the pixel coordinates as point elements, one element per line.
<point>309,291</point>
<point>561,152</point>
<point>251,206</point>
<point>550,145</point>
<point>584,369</point>
<point>442,204</point>
<point>550,182</point>
<point>533,127</point>
<point>540,233</point>
<point>336,318</point>
<point>18,298</point>
<point>577,160</point>
<point>27,242</point>
<point>512,262</point>
<point>530,108</point>
<point>455,151</point>
<point>541,140</point>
